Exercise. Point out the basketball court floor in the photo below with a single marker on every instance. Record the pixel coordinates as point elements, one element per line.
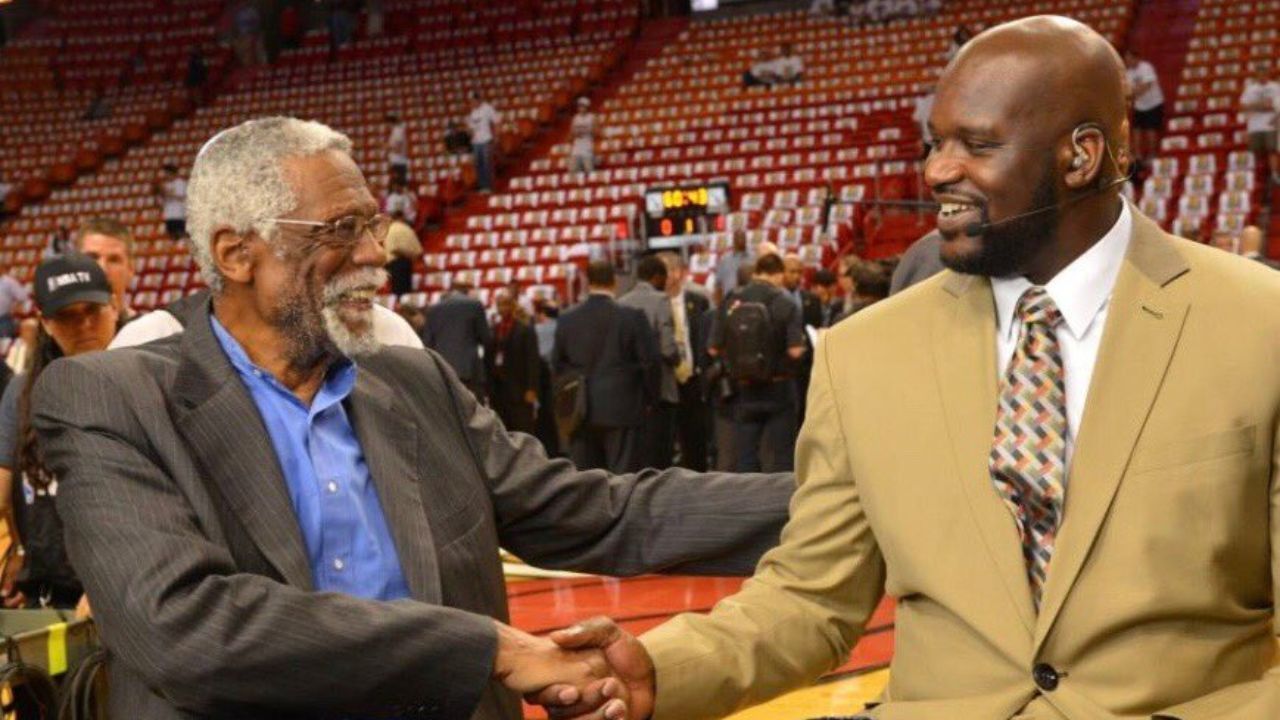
<point>543,604</point>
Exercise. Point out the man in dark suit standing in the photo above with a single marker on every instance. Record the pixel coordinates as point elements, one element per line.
<point>689,303</point>
<point>277,518</point>
<point>810,315</point>
<point>613,348</point>
<point>649,295</point>
<point>513,367</point>
<point>825,286</point>
<point>458,330</point>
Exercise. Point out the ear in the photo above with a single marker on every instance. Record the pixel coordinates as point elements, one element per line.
<point>232,255</point>
<point>1124,158</point>
<point>1087,153</point>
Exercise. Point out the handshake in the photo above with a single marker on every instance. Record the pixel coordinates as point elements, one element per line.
<point>591,671</point>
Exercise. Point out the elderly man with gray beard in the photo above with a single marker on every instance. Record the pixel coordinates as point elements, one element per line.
<point>277,518</point>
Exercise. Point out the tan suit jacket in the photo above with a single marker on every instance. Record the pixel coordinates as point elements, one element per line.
<point>1160,597</point>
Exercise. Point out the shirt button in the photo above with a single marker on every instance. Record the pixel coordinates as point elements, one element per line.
<point>332,487</point>
<point>338,564</point>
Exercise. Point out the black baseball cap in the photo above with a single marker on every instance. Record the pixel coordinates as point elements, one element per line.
<point>68,279</point>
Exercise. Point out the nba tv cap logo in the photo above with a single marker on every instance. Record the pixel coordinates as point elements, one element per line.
<point>69,279</point>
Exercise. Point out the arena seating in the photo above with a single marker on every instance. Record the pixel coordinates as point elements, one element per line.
<point>1205,180</point>
<point>529,68</point>
<point>130,56</point>
<point>845,133</point>
<point>803,161</point>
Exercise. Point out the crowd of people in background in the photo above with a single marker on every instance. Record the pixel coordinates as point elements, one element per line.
<point>678,372</point>
<point>865,12</point>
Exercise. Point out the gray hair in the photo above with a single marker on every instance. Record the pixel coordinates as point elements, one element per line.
<point>238,180</point>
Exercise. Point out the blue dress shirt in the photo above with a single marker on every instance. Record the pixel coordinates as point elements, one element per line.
<point>349,544</point>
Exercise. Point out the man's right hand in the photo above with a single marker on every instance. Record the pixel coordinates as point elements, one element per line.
<point>628,660</point>
<point>537,667</point>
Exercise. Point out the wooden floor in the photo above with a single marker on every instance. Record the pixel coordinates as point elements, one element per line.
<point>543,605</point>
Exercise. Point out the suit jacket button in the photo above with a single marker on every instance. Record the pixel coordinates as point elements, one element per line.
<point>1045,676</point>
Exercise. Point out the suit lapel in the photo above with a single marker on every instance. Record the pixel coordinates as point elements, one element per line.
<point>965,363</point>
<point>225,433</point>
<point>389,441</point>
<point>1144,322</point>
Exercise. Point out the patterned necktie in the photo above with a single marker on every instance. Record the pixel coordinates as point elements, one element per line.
<point>1028,457</point>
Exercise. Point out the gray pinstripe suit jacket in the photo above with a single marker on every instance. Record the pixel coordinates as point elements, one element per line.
<point>180,525</point>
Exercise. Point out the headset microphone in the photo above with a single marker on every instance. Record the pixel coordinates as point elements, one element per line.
<point>974,229</point>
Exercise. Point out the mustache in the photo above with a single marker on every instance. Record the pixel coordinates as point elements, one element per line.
<point>362,279</point>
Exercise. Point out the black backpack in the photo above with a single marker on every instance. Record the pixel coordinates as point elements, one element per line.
<point>748,342</point>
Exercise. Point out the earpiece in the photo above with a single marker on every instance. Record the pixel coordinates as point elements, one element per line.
<point>1078,160</point>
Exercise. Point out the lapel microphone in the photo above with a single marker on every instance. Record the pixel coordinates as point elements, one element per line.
<point>974,229</point>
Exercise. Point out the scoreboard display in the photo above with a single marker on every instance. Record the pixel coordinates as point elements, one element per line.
<point>677,210</point>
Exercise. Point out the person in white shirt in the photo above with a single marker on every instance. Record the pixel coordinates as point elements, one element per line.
<point>482,121</point>
<point>822,7</point>
<point>924,105</point>
<point>1260,103</point>
<point>788,67</point>
<point>401,200</point>
<point>173,195</point>
<point>1148,104</point>
<point>583,132</point>
<point>762,72</point>
<point>397,147</point>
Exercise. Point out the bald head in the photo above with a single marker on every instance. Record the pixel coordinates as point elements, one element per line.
<point>1251,240</point>
<point>1030,131</point>
<point>1048,70</point>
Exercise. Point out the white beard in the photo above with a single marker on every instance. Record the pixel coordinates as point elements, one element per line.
<point>350,343</point>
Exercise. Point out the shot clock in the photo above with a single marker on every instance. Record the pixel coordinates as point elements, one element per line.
<point>690,209</point>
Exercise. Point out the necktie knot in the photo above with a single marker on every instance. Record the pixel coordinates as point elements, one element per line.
<point>1036,307</point>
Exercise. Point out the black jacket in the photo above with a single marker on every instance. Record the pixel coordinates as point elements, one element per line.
<point>625,381</point>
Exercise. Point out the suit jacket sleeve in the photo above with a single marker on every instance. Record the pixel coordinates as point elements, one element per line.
<point>806,606</point>
<point>172,605</point>
<point>553,515</point>
<point>482,330</point>
<point>429,332</point>
<point>559,351</point>
<point>529,356</point>
<point>648,355</point>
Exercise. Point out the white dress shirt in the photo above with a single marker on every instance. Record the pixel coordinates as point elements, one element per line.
<point>1082,292</point>
<point>482,121</point>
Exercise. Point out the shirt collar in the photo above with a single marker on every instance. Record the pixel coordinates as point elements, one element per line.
<point>339,381</point>
<point>1080,290</point>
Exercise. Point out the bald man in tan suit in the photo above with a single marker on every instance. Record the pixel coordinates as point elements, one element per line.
<point>1061,460</point>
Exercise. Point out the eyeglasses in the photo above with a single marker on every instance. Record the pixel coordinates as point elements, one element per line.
<point>345,232</point>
